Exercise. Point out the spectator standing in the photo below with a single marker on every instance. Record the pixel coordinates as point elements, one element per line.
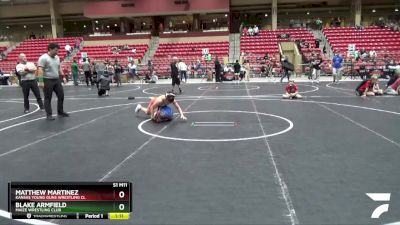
<point>175,75</point>
<point>218,70</point>
<point>182,67</point>
<point>316,65</point>
<point>337,62</point>
<point>75,72</point>
<point>236,71</point>
<point>132,71</point>
<point>87,71</point>
<point>68,49</point>
<point>150,67</point>
<point>287,66</point>
<point>118,70</point>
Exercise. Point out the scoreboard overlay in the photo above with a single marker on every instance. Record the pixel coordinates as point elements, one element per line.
<point>70,200</point>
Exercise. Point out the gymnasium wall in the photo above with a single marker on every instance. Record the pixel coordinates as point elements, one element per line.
<point>117,42</point>
<point>152,7</point>
<point>35,10</point>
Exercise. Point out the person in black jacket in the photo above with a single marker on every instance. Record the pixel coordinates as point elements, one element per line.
<point>236,70</point>
<point>175,75</point>
<point>217,70</point>
<point>287,66</point>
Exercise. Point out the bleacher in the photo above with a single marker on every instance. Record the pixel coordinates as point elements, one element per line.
<point>267,41</point>
<point>105,52</point>
<point>33,49</point>
<point>188,52</point>
<point>382,40</point>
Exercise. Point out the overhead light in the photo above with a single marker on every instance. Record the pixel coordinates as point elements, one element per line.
<point>226,15</point>
<point>184,22</point>
<point>396,9</point>
<point>96,21</point>
<point>25,26</point>
<point>97,28</point>
<point>308,13</point>
<point>8,27</point>
<point>374,10</point>
<point>144,24</point>
<point>41,25</point>
<point>266,14</point>
<point>108,26</point>
<point>115,25</point>
<point>84,26</point>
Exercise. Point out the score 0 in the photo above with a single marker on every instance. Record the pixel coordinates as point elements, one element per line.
<point>121,191</point>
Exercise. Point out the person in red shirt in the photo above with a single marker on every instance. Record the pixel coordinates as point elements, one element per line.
<point>291,91</point>
<point>394,88</point>
<point>370,88</point>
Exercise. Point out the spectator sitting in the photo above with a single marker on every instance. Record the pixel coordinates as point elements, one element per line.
<point>359,28</point>
<point>291,91</point>
<point>250,31</point>
<point>255,29</point>
<point>32,36</point>
<point>266,57</point>
<point>372,54</point>
<point>125,47</point>
<point>245,31</point>
<point>364,56</point>
<point>381,22</point>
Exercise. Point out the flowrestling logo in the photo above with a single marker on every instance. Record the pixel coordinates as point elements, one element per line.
<point>379,197</point>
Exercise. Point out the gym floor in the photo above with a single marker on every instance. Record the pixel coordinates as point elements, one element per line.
<point>244,156</point>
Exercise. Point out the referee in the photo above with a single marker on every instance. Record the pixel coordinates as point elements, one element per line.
<point>49,68</point>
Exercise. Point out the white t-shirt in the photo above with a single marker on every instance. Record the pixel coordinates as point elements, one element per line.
<point>131,67</point>
<point>182,66</point>
<point>24,75</point>
<point>256,29</point>
<point>250,31</point>
<point>67,48</point>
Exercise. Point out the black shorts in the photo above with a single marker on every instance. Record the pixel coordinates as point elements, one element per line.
<point>176,80</point>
